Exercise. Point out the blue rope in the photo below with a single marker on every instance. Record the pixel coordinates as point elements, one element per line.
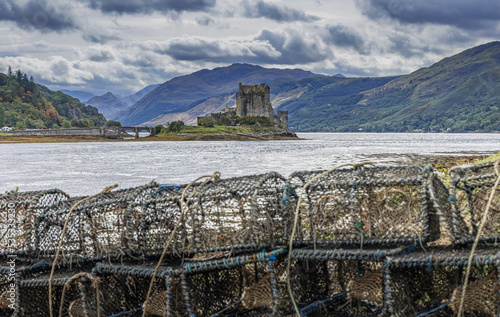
<point>312,307</point>
<point>435,309</point>
<point>127,312</point>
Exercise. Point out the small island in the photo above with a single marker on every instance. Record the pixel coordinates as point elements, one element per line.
<point>252,118</point>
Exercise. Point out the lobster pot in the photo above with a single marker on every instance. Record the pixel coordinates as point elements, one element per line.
<point>344,282</point>
<point>245,285</point>
<point>32,290</point>
<point>240,214</point>
<point>95,227</point>
<point>18,221</point>
<point>470,190</point>
<point>124,289</point>
<point>369,205</point>
<point>430,283</point>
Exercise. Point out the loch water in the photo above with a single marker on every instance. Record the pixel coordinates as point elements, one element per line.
<point>86,168</point>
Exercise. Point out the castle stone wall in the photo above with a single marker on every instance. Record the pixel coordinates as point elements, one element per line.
<point>281,118</point>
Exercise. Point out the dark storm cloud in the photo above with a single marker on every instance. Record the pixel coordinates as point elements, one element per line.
<point>99,38</point>
<point>37,15</point>
<point>261,9</point>
<point>149,6</point>
<point>190,50</point>
<point>196,49</point>
<point>295,47</point>
<point>343,36</point>
<point>101,56</point>
<point>205,20</point>
<point>465,14</point>
<point>287,47</point>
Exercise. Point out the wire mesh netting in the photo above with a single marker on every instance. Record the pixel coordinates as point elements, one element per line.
<point>470,190</point>
<point>424,280</point>
<point>369,205</point>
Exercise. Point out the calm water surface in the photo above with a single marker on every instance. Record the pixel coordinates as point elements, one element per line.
<point>86,168</point>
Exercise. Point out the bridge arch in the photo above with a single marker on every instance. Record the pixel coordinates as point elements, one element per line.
<point>137,130</point>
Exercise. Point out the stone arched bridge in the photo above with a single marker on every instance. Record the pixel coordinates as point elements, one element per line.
<point>136,130</point>
<point>108,132</point>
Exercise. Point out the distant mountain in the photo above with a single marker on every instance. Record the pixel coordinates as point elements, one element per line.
<point>27,105</point>
<point>130,100</point>
<point>459,93</point>
<point>107,104</point>
<point>183,93</point>
<point>199,109</point>
<point>80,95</point>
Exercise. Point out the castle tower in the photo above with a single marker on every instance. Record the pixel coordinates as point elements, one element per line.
<point>254,100</point>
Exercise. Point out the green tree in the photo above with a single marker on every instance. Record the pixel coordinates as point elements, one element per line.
<point>112,123</point>
<point>157,129</point>
<point>19,75</point>
<point>175,126</point>
<point>206,122</point>
<point>66,124</point>
<point>2,116</point>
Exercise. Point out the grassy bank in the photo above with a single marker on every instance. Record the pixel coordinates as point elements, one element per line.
<point>188,133</point>
<point>244,130</point>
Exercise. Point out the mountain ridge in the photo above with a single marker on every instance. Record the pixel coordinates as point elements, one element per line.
<point>177,94</point>
<point>107,103</point>
<point>459,93</point>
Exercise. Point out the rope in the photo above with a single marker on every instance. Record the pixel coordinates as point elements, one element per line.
<point>95,283</point>
<point>127,312</point>
<point>296,219</point>
<point>104,191</point>
<point>435,309</point>
<point>476,240</point>
<point>215,177</point>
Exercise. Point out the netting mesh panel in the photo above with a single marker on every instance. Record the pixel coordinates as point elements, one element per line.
<point>236,212</point>
<point>417,288</point>
<point>472,188</point>
<point>218,221</point>
<point>317,280</point>
<point>212,292</point>
<point>18,214</point>
<point>49,228</point>
<point>34,291</point>
<point>7,293</point>
<point>267,204</point>
<point>126,292</point>
<point>103,226</point>
<point>367,205</point>
<point>481,296</point>
<point>154,226</point>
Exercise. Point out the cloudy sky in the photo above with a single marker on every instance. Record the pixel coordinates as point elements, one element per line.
<point>125,45</point>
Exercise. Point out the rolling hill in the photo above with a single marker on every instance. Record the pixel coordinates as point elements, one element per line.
<point>460,93</point>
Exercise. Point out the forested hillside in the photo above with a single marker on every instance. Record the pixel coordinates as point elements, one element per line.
<point>27,105</point>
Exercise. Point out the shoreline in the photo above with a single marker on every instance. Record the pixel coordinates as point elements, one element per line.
<point>79,139</point>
